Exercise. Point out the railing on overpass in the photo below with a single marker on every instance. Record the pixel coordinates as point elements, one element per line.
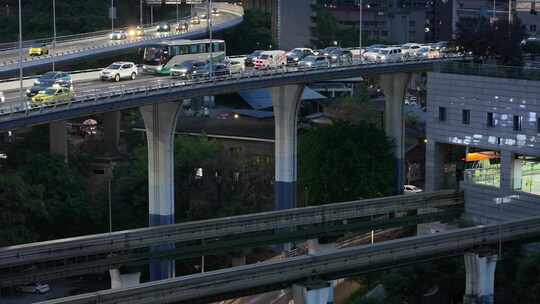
<point>498,71</point>
<point>168,89</point>
<point>272,275</point>
<point>74,256</point>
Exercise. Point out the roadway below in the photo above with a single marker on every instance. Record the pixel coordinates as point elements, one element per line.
<point>331,265</point>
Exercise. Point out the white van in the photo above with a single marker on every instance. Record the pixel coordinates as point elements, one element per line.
<point>271,60</point>
<point>390,54</point>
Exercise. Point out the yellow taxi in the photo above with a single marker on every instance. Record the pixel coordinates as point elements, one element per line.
<point>38,50</point>
<point>53,95</point>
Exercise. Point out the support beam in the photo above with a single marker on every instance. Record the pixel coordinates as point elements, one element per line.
<point>58,142</point>
<point>434,166</point>
<point>286,101</point>
<point>111,131</point>
<point>160,122</point>
<point>394,87</point>
<point>480,278</point>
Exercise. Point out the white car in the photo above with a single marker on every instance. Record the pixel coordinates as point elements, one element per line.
<point>118,35</point>
<point>2,97</point>
<point>390,54</point>
<point>35,288</point>
<point>120,70</point>
<point>410,49</point>
<point>408,189</point>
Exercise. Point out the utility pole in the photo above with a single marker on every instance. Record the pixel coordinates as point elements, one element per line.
<point>141,13</point>
<point>177,12</point>
<point>54,34</point>
<point>361,6</point>
<point>113,14</point>
<point>209,16</point>
<point>21,56</point>
<point>509,11</point>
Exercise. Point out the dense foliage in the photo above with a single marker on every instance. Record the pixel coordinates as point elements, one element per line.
<point>499,39</point>
<point>345,162</point>
<point>252,34</point>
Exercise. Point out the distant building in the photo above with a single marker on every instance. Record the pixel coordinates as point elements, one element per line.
<point>292,21</point>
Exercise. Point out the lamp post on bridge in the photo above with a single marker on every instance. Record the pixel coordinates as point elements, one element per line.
<point>54,35</point>
<point>113,14</point>
<point>21,95</point>
<point>209,17</point>
<point>141,13</point>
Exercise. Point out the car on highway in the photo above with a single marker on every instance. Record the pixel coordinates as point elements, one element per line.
<point>53,95</point>
<point>409,50</point>
<point>2,97</point>
<point>370,54</point>
<point>48,80</point>
<point>314,61</point>
<point>215,12</point>
<point>426,52</point>
<point>39,49</point>
<point>390,54</point>
<point>40,288</point>
<point>340,56</point>
<point>181,27</point>
<point>326,51</point>
<point>296,55</point>
<point>195,20</point>
<point>120,70</point>
<point>204,16</point>
<point>136,32</point>
<point>236,66</point>
<point>218,70</point>
<point>163,27</point>
<point>250,59</point>
<point>271,60</point>
<point>185,69</point>
<point>118,35</point>
<point>410,189</point>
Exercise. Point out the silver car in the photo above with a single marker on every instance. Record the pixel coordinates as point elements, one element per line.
<point>313,62</point>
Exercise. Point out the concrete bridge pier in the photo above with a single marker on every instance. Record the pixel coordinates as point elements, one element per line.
<point>160,123</point>
<point>286,101</point>
<point>58,139</point>
<point>394,87</point>
<point>317,292</point>
<point>480,278</point>
<point>111,131</point>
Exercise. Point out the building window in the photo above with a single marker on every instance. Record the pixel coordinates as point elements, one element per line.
<point>483,167</point>
<point>490,121</point>
<point>466,117</point>
<point>517,122</point>
<point>532,28</point>
<point>442,114</point>
<point>527,177</point>
<point>538,125</point>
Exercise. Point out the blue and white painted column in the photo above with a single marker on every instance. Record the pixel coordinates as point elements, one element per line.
<point>479,279</point>
<point>286,101</point>
<point>317,292</point>
<point>394,87</point>
<point>160,123</point>
<point>58,139</point>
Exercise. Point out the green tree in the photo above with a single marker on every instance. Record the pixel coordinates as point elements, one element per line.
<point>345,162</point>
<point>252,34</point>
<point>21,207</point>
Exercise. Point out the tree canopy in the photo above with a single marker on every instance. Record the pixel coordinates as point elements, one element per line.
<point>252,34</point>
<point>345,162</point>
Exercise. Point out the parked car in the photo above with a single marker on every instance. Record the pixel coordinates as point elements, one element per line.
<point>34,288</point>
<point>314,61</point>
<point>250,59</point>
<point>340,56</point>
<point>38,50</point>
<point>53,95</point>
<point>296,55</point>
<point>185,69</point>
<point>409,189</point>
<point>48,80</point>
<point>271,60</point>
<point>390,54</point>
<point>118,35</point>
<point>120,70</point>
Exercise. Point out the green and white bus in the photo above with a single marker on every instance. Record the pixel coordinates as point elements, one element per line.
<point>159,58</point>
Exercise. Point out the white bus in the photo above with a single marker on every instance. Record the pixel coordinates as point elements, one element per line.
<point>159,58</point>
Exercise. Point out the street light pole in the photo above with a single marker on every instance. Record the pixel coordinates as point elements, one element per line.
<point>20,54</point>
<point>54,34</point>
<point>112,16</point>
<point>141,13</point>
<point>176,11</point>
<point>361,6</point>
<point>209,16</point>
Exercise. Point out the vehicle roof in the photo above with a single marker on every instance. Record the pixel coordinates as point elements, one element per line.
<point>411,44</point>
<point>122,62</point>
<point>272,52</point>
<point>188,42</point>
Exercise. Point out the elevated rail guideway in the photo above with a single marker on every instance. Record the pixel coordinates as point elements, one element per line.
<point>272,275</point>
<point>73,256</point>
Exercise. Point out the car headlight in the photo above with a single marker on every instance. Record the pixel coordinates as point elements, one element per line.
<point>132,33</point>
<point>37,82</point>
<point>334,57</point>
<point>309,63</point>
<point>27,91</point>
<point>296,59</point>
<point>182,71</point>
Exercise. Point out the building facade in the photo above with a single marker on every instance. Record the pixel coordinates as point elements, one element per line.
<point>483,131</point>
